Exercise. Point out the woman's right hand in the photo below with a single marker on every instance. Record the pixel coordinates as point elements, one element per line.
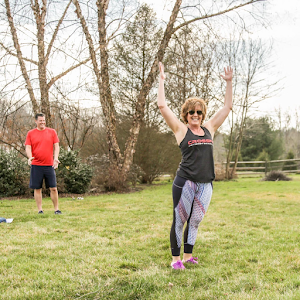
<point>161,71</point>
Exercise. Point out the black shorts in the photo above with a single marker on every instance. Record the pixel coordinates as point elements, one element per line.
<point>37,175</point>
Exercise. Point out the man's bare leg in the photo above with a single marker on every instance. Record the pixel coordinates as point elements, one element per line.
<point>54,197</point>
<point>38,198</point>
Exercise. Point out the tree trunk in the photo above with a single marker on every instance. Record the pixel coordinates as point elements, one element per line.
<point>229,154</point>
<point>105,91</point>
<point>40,15</point>
<point>141,100</point>
<point>20,57</point>
<point>241,132</point>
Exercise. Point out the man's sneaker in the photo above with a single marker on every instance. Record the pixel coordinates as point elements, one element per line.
<point>178,265</point>
<point>40,212</point>
<point>192,260</point>
<point>58,212</point>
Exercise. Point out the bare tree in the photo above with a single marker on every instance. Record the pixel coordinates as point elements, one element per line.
<point>250,59</point>
<point>38,36</point>
<point>14,127</point>
<point>290,130</point>
<point>192,62</point>
<point>74,124</point>
<point>40,46</point>
<point>123,161</point>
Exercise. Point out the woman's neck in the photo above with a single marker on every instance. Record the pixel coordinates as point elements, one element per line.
<point>196,129</point>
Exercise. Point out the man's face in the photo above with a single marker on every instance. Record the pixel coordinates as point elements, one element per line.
<point>40,123</point>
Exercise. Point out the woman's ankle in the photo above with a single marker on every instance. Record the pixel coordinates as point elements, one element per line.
<point>187,256</point>
<point>175,259</point>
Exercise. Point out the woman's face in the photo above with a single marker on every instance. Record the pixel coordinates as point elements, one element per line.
<point>194,116</point>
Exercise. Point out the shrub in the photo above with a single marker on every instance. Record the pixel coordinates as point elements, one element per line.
<point>220,172</point>
<point>135,174</point>
<point>108,177</point>
<point>156,153</point>
<point>290,165</point>
<point>276,176</point>
<point>14,174</point>
<point>73,176</point>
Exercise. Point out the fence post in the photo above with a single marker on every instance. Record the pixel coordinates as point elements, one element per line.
<point>266,167</point>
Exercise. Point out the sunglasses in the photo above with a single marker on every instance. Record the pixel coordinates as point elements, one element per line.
<point>199,112</point>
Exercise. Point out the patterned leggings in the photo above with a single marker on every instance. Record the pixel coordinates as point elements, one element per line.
<point>190,203</point>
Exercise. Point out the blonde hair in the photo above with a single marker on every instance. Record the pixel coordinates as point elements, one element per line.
<point>190,104</point>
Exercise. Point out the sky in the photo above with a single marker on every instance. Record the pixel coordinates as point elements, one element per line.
<point>284,29</point>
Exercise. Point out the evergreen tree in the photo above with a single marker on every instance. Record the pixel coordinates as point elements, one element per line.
<point>290,165</point>
<point>132,60</point>
<point>260,141</point>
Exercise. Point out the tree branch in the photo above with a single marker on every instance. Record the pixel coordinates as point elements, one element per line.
<point>215,14</point>
<point>55,33</point>
<point>54,79</point>
<point>16,55</point>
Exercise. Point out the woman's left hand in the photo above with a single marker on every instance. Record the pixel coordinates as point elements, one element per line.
<point>161,71</point>
<point>228,74</point>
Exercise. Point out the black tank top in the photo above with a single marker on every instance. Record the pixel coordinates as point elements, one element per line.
<point>197,162</point>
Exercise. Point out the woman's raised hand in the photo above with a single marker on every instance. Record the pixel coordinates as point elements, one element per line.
<point>161,71</point>
<point>228,74</point>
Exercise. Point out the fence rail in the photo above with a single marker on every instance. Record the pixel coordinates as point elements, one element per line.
<point>260,167</point>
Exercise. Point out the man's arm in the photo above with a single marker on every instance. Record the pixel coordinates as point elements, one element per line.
<point>29,154</point>
<point>55,154</point>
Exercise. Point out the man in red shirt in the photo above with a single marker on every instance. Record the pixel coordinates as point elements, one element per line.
<point>42,149</point>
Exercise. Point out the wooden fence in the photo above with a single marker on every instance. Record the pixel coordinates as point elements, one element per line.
<point>264,167</point>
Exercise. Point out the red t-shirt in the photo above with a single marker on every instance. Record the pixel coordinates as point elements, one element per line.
<point>41,142</point>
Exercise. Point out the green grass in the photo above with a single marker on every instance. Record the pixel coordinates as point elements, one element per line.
<point>117,246</point>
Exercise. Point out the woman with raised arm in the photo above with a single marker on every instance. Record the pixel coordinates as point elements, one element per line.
<point>192,186</point>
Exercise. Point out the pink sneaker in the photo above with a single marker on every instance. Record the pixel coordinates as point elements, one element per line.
<point>178,265</point>
<point>192,260</point>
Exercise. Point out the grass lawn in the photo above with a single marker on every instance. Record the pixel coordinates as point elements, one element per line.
<point>117,246</point>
